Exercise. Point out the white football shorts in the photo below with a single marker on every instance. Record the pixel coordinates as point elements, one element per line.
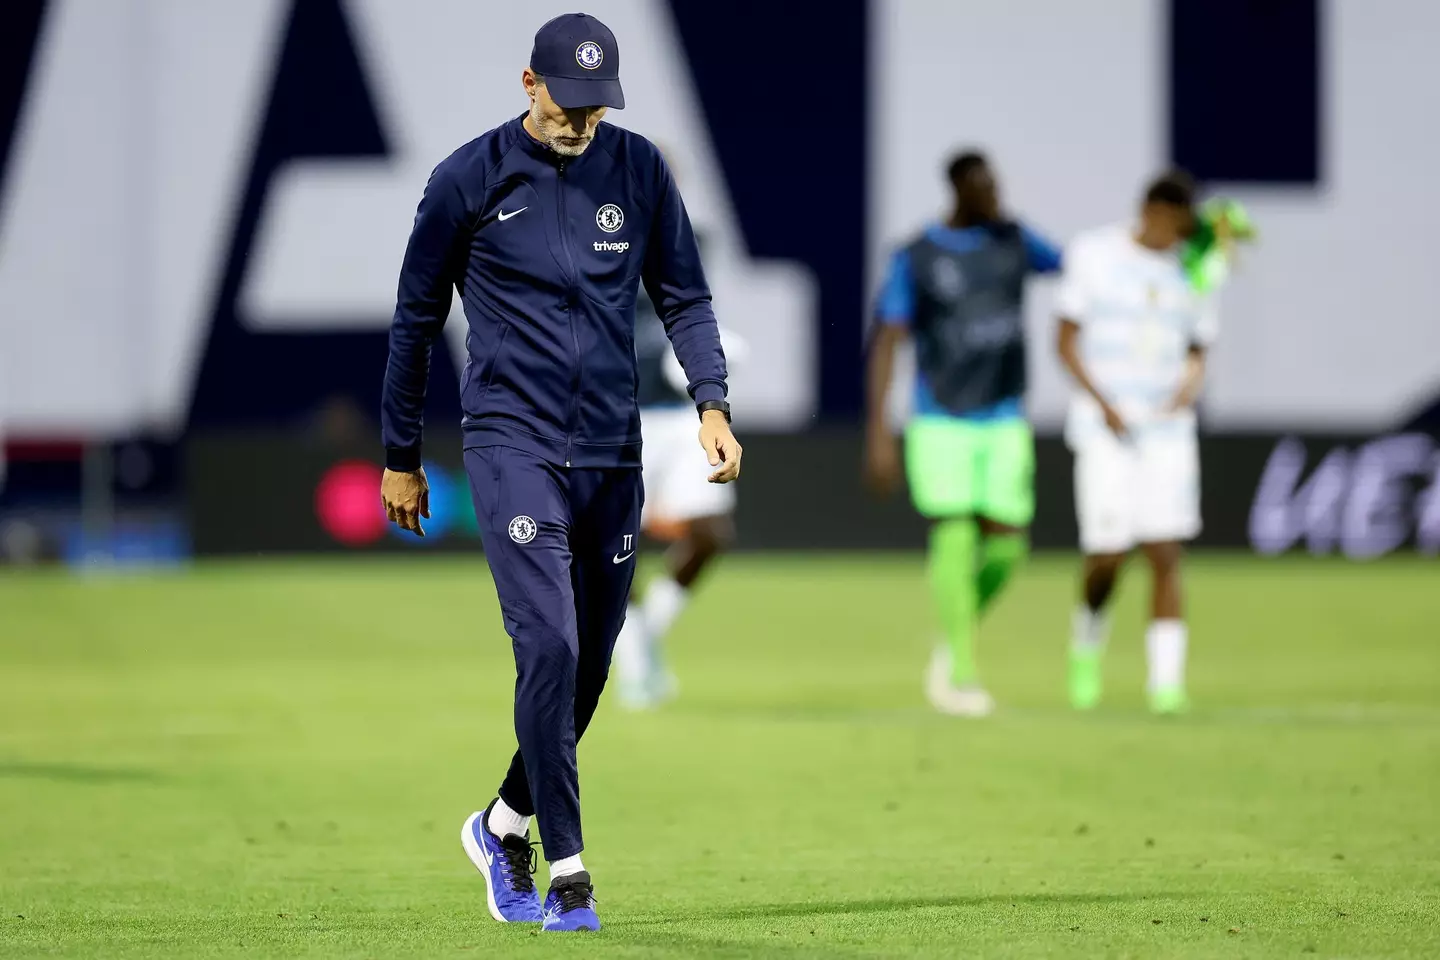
<point>1144,490</point>
<point>676,468</point>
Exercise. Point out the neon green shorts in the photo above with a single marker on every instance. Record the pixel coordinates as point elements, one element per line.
<point>971,468</point>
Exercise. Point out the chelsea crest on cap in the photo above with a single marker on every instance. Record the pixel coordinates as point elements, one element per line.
<point>580,61</point>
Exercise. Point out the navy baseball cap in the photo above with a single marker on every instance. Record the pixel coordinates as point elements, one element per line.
<point>580,61</point>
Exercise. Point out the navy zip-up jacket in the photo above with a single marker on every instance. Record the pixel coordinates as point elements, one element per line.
<point>547,253</point>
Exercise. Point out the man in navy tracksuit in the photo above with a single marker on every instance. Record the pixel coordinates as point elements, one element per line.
<point>547,225</point>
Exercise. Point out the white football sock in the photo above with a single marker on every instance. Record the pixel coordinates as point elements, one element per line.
<point>1165,643</point>
<point>664,599</point>
<point>565,867</point>
<point>504,821</point>
<point>632,648</point>
<point>1091,628</point>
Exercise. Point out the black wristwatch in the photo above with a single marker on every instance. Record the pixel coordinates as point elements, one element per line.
<point>707,405</point>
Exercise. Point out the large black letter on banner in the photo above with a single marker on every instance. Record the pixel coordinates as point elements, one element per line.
<point>1245,90</point>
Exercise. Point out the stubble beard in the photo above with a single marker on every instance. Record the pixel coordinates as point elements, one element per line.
<point>550,136</point>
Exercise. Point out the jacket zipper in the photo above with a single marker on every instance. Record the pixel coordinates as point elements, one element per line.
<point>569,313</point>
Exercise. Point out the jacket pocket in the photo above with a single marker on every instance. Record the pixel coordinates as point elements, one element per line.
<point>487,375</point>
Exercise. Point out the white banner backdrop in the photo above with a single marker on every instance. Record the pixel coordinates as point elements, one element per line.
<point>142,117</point>
<point>140,125</point>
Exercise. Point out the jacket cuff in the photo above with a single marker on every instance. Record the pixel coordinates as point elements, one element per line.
<point>709,390</point>
<point>403,459</point>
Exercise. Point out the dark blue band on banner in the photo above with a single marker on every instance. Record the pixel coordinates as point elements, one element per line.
<point>320,105</point>
<point>1245,90</point>
<point>796,199</point>
<point>20,24</point>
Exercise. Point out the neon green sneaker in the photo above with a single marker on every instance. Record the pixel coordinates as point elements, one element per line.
<point>1085,677</point>
<point>1168,701</point>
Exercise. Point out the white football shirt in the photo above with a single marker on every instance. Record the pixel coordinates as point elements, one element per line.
<point>1138,316</point>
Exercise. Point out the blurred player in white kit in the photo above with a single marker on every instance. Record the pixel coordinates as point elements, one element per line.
<point>1136,320</point>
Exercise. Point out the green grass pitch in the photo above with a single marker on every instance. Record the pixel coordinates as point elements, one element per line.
<point>274,759</point>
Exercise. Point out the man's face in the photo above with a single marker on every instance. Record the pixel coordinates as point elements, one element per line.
<point>567,131</point>
<point>1168,223</point>
<point>978,193</point>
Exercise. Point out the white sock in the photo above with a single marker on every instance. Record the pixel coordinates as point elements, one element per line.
<point>1165,643</point>
<point>565,867</point>
<point>504,821</point>
<point>1091,628</point>
<point>664,599</point>
<point>632,648</point>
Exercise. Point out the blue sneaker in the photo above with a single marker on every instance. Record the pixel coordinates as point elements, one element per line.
<point>570,904</point>
<point>508,866</point>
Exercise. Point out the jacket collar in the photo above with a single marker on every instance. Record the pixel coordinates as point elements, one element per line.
<point>534,148</point>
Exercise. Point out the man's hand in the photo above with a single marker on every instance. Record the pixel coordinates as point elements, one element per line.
<point>1114,421</point>
<point>720,446</point>
<point>882,447</point>
<point>1225,233</point>
<point>1190,384</point>
<point>882,462</point>
<point>1186,396</point>
<point>1068,347</point>
<point>407,498</point>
